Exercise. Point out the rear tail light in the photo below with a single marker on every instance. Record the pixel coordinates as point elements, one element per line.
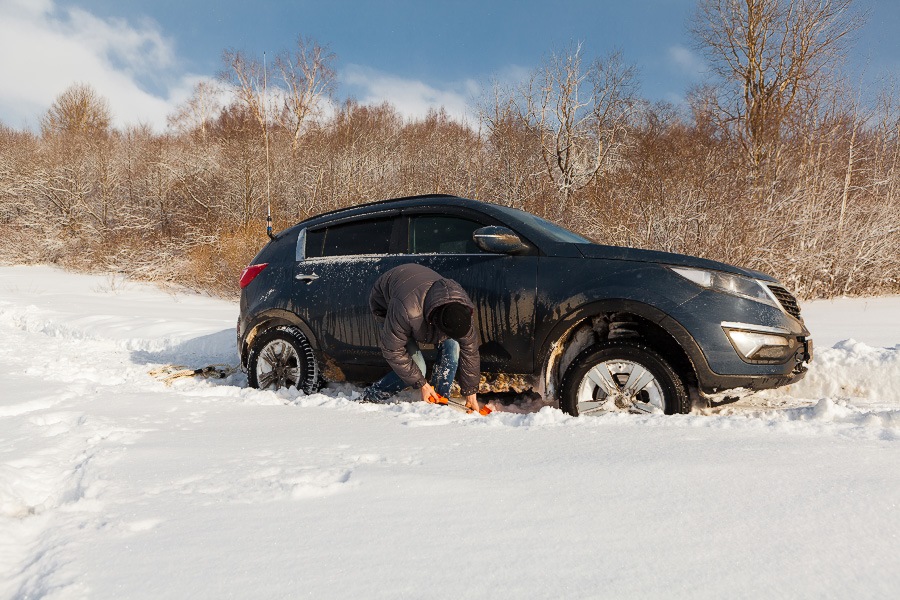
<point>250,274</point>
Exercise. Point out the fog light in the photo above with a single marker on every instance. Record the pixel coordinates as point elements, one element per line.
<point>753,345</point>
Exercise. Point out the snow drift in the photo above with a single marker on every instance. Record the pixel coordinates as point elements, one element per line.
<point>114,484</point>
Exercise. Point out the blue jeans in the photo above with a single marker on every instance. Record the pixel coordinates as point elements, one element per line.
<point>441,379</point>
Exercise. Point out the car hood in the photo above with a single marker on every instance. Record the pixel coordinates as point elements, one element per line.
<point>667,258</point>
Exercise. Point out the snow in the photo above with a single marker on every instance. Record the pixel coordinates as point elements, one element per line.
<point>874,321</point>
<point>115,485</point>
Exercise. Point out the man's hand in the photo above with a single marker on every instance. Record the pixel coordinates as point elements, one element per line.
<point>471,400</point>
<point>427,392</point>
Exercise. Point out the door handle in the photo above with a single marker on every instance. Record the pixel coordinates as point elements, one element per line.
<point>308,278</point>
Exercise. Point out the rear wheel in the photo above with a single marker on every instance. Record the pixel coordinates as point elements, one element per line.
<point>622,376</point>
<point>282,357</point>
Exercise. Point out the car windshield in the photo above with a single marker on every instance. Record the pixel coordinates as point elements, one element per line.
<point>556,232</point>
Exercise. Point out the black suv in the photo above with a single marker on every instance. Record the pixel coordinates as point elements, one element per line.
<point>598,328</point>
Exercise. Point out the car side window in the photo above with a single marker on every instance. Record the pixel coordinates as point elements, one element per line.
<point>312,244</point>
<point>347,239</point>
<point>442,235</point>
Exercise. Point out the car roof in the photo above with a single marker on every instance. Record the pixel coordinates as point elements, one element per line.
<point>430,200</point>
<point>519,221</point>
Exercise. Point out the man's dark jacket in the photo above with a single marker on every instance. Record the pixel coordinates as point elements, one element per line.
<point>405,297</point>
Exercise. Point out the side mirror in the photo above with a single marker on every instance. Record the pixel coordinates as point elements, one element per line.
<point>498,240</point>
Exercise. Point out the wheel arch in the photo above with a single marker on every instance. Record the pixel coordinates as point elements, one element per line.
<point>618,318</point>
<point>274,318</point>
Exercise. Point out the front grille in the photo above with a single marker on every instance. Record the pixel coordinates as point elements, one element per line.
<point>787,300</point>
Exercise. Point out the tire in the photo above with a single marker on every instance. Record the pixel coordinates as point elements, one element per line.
<point>282,357</point>
<point>622,376</point>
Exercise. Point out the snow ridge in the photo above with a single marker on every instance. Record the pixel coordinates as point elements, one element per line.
<point>853,370</point>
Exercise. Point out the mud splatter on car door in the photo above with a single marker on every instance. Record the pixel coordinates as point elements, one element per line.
<point>503,290</point>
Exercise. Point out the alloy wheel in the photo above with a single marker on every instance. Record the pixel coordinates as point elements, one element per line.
<point>620,386</point>
<point>278,366</point>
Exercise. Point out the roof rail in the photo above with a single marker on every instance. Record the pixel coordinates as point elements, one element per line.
<point>377,202</point>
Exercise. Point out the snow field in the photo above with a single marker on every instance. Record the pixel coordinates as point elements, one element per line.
<point>113,484</point>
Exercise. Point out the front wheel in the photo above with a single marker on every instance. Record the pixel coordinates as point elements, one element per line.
<point>282,357</point>
<point>622,376</point>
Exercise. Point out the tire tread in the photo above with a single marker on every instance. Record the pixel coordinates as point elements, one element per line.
<point>293,335</point>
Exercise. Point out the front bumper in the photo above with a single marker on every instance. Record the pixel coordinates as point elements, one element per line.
<point>756,362</point>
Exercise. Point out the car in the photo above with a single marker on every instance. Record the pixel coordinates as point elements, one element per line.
<point>588,327</point>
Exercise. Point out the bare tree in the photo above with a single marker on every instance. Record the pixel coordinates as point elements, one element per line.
<point>18,221</point>
<point>75,176</point>
<point>772,59</point>
<point>249,162</point>
<point>308,76</point>
<point>515,164</point>
<point>579,115</point>
<point>198,111</point>
<point>247,77</point>
<point>77,110</point>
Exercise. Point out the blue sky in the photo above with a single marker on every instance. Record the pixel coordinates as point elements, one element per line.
<point>145,56</point>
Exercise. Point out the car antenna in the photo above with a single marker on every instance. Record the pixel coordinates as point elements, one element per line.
<point>266,136</point>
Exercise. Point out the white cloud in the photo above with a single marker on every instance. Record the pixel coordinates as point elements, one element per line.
<point>412,98</point>
<point>687,61</point>
<point>132,63</point>
<point>46,49</point>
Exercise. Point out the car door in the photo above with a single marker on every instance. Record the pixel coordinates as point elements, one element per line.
<point>334,275</point>
<point>502,287</point>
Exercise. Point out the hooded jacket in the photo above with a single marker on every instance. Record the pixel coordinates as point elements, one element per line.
<point>406,297</point>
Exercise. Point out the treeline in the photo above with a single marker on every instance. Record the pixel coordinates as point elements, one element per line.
<point>771,166</point>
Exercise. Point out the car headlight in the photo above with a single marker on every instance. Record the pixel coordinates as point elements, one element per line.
<point>766,347</point>
<point>736,285</point>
